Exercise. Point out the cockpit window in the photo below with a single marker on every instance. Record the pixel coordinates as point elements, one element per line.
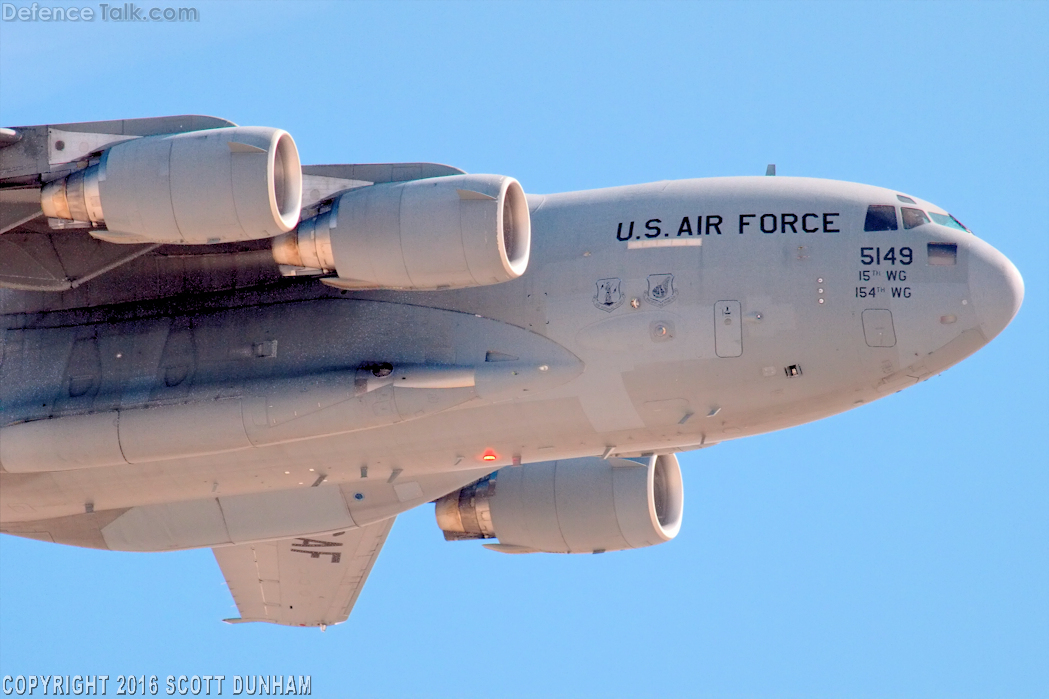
<point>905,199</point>
<point>948,220</point>
<point>880,218</point>
<point>912,218</point>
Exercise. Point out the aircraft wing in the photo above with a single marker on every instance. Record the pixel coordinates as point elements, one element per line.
<point>42,253</point>
<point>302,581</point>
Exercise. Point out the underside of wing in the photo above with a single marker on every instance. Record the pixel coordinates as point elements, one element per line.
<point>68,215</point>
<point>302,581</point>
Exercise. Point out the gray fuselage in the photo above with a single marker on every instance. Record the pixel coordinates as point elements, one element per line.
<point>652,319</point>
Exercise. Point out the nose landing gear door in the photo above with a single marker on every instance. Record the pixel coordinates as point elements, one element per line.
<point>728,329</point>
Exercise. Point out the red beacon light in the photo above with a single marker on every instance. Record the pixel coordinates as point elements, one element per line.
<point>489,455</point>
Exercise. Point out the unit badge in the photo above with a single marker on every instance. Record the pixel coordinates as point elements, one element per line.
<point>660,289</point>
<point>609,294</point>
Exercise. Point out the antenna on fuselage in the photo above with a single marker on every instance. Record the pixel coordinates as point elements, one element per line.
<point>770,171</point>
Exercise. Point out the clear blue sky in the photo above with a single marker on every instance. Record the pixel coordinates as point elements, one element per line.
<point>899,550</point>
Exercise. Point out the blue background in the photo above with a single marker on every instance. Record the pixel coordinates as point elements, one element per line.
<point>898,550</point>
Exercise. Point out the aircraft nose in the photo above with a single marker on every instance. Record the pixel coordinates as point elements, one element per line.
<point>996,287</point>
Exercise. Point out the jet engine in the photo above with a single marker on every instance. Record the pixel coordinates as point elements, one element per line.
<point>443,232</point>
<point>584,505</point>
<point>212,186</point>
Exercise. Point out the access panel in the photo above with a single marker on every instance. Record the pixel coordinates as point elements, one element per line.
<point>728,329</point>
<point>877,328</point>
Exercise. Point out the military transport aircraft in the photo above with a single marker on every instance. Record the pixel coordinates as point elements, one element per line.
<point>207,344</point>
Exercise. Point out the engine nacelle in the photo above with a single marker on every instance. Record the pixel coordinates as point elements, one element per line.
<point>212,186</point>
<point>573,506</point>
<point>437,233</point>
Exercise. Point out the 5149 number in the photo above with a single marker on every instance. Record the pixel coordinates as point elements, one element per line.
<point>876,256</point>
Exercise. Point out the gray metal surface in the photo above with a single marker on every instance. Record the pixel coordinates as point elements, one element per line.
<point>652,319</point>
<point>267,580</point>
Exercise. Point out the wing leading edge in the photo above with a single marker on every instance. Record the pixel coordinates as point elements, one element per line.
<point>302,581</point>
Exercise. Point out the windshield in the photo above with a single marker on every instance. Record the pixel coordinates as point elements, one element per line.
<point>949,221</point>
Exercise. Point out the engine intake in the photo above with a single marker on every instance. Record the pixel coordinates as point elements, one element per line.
<point>443,232</point>
<point>585,505</point>
<point>212,186</point>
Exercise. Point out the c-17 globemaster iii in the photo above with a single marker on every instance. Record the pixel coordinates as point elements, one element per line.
<point>207,344</point>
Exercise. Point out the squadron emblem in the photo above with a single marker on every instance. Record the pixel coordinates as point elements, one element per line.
<point>609,294</point>
<point>660,289</point>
